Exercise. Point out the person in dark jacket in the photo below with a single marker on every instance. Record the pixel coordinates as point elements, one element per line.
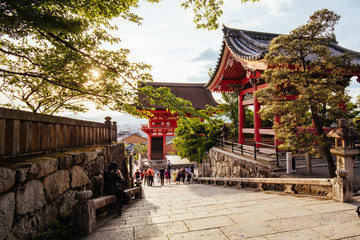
<point>112,179</point>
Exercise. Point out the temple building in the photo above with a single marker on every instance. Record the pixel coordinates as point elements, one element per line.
<point>163,123</point>
<point>239,69</point>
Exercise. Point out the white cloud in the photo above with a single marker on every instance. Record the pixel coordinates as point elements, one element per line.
<point>278,7</point>
<point>207,55</point>
<point>164,24</point>
<point>197,79</point>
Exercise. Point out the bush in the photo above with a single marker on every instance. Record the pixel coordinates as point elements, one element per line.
<point>55,231</point>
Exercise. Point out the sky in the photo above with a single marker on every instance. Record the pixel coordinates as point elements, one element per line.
<point>168,40</point>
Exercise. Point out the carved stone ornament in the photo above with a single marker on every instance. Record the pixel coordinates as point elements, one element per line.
<point>341,173</point>
<point>83,195</point>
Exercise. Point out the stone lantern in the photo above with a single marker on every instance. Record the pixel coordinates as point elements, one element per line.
<point>344,147</point>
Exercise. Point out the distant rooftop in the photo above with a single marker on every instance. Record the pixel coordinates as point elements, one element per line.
<point>196,93</point>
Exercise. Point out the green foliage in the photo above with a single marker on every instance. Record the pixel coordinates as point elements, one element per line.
<point>230,109</point>
<point>195,137</point>
<point>353,113</point>
<point>55,231</point>
<point>139,149</point>
<point>303,67</point>
<point>51,57</point>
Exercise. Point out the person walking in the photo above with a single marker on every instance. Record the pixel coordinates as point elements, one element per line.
<point>169,166</point>
<point>188,173</point>
<point>146,177</point>
<point>178,176</point>
<point>137,175</point>
<point>183,175</point>
<point>162,175</point>
<point>142,175</point>
<point>150,174</point>
<point>167,176</point>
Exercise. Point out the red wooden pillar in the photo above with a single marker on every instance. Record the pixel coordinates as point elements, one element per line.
<point>276,120</point>
<point>241,139</point>
<point>149,147</point>
<point>257,120</point>
<point>164,145</point>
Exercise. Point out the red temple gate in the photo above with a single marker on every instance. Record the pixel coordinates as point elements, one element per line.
<point>163,123</point>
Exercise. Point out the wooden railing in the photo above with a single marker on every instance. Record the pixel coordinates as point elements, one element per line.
<point>24,133</point>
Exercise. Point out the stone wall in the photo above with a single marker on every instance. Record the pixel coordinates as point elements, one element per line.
<point>36,191</point>
<point>220,163</point>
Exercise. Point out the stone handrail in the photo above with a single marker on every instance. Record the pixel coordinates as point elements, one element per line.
<point>293,181</point>
<point>338,187</point>
<point>24,133</point>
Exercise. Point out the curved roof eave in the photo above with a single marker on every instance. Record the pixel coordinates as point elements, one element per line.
<point>250,47</point>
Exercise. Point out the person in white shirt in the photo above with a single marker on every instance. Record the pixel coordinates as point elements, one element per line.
<point>188,173</point>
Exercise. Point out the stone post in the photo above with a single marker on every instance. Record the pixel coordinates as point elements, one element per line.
<point>342,187</point>
<point>114,131</point>
<point>138,184</point>
<point>308,163</point>
<point>108,126</point>
<point>84,223</point>
<point>289,164</point>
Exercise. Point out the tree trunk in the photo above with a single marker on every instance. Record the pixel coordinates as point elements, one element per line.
<point>324,146</point>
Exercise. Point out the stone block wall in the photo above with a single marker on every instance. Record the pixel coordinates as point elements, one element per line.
<point>39,190</point>
<point>220,163</point>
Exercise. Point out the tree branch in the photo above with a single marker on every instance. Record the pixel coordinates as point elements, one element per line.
<point>53,82</point>
<point>58,39</point>
<point>20,56</point>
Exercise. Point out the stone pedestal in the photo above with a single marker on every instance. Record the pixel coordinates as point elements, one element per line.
<point>85,222</point>
<point>344,159</point>
<point>342,187</point>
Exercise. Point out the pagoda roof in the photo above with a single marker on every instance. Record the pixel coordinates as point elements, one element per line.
<point>196,93</point>
<point>249,48</point>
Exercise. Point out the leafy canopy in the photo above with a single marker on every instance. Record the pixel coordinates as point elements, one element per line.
<point>194,136</point>
<point>51,57</point>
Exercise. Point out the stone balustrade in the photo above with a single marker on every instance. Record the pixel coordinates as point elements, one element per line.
<point>339,188</point>
<point>24,133</point>
<point>289,183</point>
<point>230,168</point>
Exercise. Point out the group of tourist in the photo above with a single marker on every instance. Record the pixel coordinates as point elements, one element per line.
<point>113,176</point>
<point>164,176</point>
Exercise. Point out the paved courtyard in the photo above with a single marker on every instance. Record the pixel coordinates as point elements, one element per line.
<point>194,211</point>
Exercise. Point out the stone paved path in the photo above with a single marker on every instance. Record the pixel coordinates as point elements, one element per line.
<point>197,211</point>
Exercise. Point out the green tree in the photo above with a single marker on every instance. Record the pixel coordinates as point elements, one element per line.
<point>194,137</point>
<point>302,66</point>
<point>230,109</point>
<point>353,109</point>
<point>51,56</point>
<point>139,148</point>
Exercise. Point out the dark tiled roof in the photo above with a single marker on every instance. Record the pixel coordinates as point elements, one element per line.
<point>196,93</point>
<point>252,46</point>
<point>247,45</point>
